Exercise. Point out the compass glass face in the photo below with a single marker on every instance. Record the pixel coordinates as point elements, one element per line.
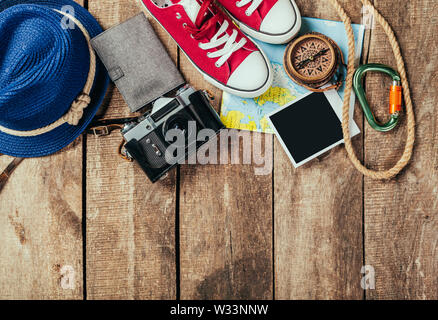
<point>312,58</point>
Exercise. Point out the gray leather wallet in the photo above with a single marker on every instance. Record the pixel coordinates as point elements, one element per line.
<point>137,62</point>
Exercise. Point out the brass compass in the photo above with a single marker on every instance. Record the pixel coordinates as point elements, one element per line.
<point>312,61</point>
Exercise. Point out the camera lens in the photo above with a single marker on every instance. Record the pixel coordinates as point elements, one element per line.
<point>178,122</point>
<point>178,125</point>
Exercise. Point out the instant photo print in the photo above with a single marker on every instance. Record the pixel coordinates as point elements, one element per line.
<point>310,126</point>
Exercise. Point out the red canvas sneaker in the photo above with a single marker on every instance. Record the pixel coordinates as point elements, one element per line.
<point>217,48</point>
<point>271,21</point>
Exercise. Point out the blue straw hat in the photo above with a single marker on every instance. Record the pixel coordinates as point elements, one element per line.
<point>51,82</point>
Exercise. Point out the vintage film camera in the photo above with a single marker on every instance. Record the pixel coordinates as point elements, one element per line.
<point>146,138</point>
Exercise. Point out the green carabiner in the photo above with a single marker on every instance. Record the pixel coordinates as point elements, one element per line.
<point>395,96</point>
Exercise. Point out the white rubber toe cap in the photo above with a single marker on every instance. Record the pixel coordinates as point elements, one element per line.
<point>280,19</point>
<point>251,75</point>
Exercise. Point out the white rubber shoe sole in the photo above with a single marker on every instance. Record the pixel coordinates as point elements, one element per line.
<point>271,38</point>
<point>241,93</point>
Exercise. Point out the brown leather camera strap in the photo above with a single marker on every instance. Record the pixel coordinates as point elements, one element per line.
<point>99,128</point>
<point>105,127</point>
<point>4,176</point>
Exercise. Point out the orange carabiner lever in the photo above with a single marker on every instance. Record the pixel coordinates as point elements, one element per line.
<point>395,98</point>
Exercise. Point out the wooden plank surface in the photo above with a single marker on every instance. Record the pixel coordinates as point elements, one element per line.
<point>225,224</point>
<point>401,220</point>
<point>318,213</point>
<point>130,222</point>
<point>41,228</point>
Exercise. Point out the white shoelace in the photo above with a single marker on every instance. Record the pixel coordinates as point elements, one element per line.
<point>229,47</point>
<point>253,7</point>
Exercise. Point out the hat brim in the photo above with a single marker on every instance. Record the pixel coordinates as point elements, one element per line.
<point>59,138</point>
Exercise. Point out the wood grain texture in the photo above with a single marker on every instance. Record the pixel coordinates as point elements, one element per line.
<point>41,227</point>
<point>130,222</point>
<point>225,224</point>
<point>318,213</point>
<point>401,217</point>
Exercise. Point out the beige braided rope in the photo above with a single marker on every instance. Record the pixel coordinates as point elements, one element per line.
<point>407,154</point>
<point>76,111</point>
